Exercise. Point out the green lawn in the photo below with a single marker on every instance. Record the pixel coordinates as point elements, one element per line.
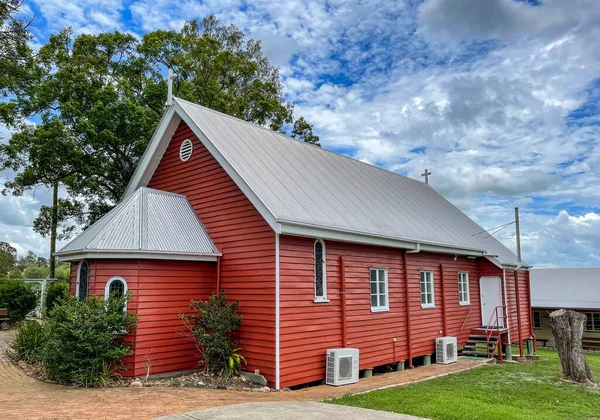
<point>508,391</point>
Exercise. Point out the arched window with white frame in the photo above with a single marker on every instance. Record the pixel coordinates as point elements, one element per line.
<point>320,271</point>
<point>81,288</point>
<point>117,287</point>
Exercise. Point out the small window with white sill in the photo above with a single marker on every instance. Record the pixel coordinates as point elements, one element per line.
<point>320,271</point>
<point>427,295</point>
<point>379,290</point>
<point>463,289</point>
<point>81,291</point>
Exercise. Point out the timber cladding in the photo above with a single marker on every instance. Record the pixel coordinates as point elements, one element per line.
<point>308,328</point>
<point>239,232</point>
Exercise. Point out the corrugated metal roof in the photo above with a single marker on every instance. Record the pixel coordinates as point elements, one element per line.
<point>575,288</point>
<point>149,221</point>
<point>305,184</point>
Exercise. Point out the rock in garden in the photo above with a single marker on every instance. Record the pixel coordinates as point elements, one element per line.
<point>136,384</point>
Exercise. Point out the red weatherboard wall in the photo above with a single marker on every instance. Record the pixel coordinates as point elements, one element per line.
<point>161,290</point>
<point>239,232</point>
<point>309,328</point>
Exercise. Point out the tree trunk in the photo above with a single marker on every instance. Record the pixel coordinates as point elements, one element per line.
<point>567,328</point>
<point>53,231</point>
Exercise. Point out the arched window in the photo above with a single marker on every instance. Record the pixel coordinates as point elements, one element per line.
<point>320,272</point>
<point>81,289</point>
<point>116,286</point>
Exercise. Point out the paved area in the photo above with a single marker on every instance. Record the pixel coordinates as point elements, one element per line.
<point>22,397</point>
<point>288,411</point>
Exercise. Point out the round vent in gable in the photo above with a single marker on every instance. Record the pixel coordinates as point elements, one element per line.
<point>185,151</point>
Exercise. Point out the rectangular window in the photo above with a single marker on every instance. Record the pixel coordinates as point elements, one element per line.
<point>379,290</point>
<point>593,321</point>
<point>427,300</point>
<point>463,289</point>
<point>537,319</point>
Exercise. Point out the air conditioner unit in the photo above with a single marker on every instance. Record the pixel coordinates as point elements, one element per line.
<point>342,366</point>
<point>446,350</point>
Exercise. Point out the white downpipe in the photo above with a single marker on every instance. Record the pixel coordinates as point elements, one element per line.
<point>506,304</point>
<point>416,250</point>
<point>277,311</point>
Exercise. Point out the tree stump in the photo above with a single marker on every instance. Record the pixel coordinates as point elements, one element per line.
<point>567,328</point>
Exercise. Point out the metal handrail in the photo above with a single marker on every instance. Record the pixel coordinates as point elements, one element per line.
<point>467,316</point>
<point>490,328</point>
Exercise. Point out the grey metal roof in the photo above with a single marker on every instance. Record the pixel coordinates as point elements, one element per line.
<point>293,183</point>
<point>149,222</point>
<point>574,288</point>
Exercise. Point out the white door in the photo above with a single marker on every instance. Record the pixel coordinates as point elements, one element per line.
<point>490,290</point>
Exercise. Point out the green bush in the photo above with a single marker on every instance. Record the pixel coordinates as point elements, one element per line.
<point>86,340</point>
<point>56,293</point>
<point>20,299</point>
<point>213,326</point>
<point>28,343</point>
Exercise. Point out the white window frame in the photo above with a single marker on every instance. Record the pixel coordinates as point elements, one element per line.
<point>379,308</point>
<point>595,328</point>
<point>533,320</point>
<point>78,276</point>
<point>191,147</point>
<point>432,303</point>
<point>463,277</point>
<point>125,288</point>
<point>320,299</point>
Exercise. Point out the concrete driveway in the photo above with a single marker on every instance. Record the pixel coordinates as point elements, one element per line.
<point>287,411</point>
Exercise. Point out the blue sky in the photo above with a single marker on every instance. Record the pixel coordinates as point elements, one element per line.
<point>500,99</point>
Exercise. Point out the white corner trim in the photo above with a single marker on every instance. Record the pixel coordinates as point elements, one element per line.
<point>277,320</point>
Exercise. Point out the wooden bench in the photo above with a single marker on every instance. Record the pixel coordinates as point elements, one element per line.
<point>4,318</point>
<point>544,341</point>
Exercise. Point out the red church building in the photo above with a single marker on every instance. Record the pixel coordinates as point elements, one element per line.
<point>322,250</point>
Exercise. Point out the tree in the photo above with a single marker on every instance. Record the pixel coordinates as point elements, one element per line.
<point>567,329</point>
<point>303,131</point>
<point>15,55</point>
<point>8,257</point>
<point>100,97</point>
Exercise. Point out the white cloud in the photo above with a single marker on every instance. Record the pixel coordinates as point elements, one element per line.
<point>479,92</point>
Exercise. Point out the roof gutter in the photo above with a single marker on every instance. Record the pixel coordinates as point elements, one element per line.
<point>287,227</point>
<point>134,254</point>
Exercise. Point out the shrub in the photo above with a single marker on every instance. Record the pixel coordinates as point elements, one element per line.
<point>86,340</point>
<point>28,343</point>
<point>20,299</point>
<point>56,293</point>
<point>213,326</point>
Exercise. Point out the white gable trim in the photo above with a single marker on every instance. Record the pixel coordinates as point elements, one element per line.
<point>159,143</point>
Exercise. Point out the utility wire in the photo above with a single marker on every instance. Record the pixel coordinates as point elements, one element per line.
<point>494,228</point>
<point>493,233</point>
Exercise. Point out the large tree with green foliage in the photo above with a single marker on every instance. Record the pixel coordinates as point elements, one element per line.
<point>8,257</point>
<point>16,65</point>
<point>99,99</point>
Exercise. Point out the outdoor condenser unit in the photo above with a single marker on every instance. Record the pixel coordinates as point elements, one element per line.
<point>342,366</point>
<point>446,350</point>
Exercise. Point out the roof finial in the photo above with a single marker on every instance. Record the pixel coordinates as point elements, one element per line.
<point>170,87</point>
<point>426,175</point>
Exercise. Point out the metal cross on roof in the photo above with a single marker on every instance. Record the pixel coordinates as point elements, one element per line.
<point>426,175</point>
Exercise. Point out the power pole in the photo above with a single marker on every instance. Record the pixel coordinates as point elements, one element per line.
<point>518,228</point>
